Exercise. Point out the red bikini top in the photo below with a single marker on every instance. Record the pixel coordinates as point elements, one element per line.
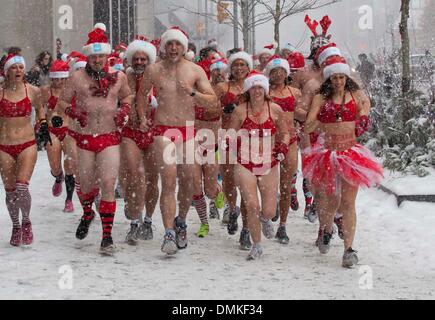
<point>9,109</point>
<point>287,104</point>
<point>333,112</point>
<point>229,98</point>
<point>257,129</point>
<point>52,102</point>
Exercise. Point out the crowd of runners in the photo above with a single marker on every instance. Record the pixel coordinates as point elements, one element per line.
<point>165,125</point>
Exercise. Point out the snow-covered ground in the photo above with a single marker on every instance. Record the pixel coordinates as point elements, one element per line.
<point>395,246</point>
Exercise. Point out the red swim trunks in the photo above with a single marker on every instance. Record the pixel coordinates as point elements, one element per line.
<point>142,139</point>
<point>60,133</point>
<point>15,150</point>
<point>176,134</point>
<point>96,143</point>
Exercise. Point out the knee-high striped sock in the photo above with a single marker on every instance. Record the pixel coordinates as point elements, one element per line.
<point>14,211</point>
<point>307,193</point>
<point>69,183</point>
<point>86,201</point>
<point>107,214</point>
<point>24,200</point>
<point>201,208</point>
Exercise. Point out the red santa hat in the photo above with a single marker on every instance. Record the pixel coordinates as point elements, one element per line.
<point>143,45</point>
<point>174,33</point>
<point>98,42</point>
<point>219,64</point>
<point>59,70</point>
<point>241,55</point>
<point>327,51</point>
<point>335,65</point>
<point>269,49</point>
<point>12,59</point>
<point>296,61</point>
<point>256,79</point>
<point>77,61</point>
<point>121,47</point>
<point>277,62</point>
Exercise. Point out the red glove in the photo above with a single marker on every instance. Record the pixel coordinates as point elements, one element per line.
<point>280,151</point>
<point>121,117</point>
<point>362,125</point>
<point>81,117</point>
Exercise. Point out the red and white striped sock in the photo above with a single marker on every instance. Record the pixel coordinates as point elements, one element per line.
<point>24,200</point>
<point>14,211</point>
<point>201,208</point>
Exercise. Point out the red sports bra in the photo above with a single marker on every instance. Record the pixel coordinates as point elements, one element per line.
<point>287,104</point>
<point>332,112</point>
<point>258,129</point>
<point>229,98</point>
<point>52,102</point>
<point>9,109</point>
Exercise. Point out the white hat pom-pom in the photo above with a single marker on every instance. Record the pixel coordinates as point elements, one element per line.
<point>101,26</point>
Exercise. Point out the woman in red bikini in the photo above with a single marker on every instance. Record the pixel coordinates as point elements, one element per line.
<point>263,140</point>
<point>286,97</point>
<point>240,64</point>
<point>337,165</point>
<point>18,151</point>
<point>61,141</point>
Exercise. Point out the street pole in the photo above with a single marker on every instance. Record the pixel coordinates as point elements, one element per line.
<point>236,19</point>
<point>206,20</point>
<point>253,28</point>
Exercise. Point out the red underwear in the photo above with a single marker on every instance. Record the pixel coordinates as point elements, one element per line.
<point>142,139</point>
<point>96,143</point>
<point>15,150</point>
<point>60,133</point>
<point>174,135</point>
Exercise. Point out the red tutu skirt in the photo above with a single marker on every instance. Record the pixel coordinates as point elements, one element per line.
<point>325,168</point>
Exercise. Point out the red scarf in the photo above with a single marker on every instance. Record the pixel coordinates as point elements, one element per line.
<point>104,81</point>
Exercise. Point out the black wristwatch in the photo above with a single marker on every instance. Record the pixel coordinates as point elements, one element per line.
<point>193,93</point>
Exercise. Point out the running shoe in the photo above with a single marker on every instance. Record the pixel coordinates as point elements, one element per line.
<point>256,252</point>
<point>214,212</point>
<point>180,234</point>
<point>233,226</point>
<point>26,233</point>
<point>169,245</point>
<point>203,230</point>
<point>226,215</point>
<point>350,258</point>
<point>145,231</point>
<point>132,233</point>
<point>57,188</point>
<point>69,206</point>
<point>107,247</point>
<point>220,200</point>
<point>339,223</point>
<point>83,228</point>
<point>323,241</point>
<point>245,240</point>
<point>281,235</point>
<point>16,237</point>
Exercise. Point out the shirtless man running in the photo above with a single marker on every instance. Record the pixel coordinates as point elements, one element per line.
<point>98,89</point>
<point>180,84</point>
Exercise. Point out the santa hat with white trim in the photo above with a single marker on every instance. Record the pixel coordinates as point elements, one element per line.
<point>327,51</point>
<point>335,65</point>
<point>98,42</point>
<point>77,61</point>
<point>143,45</point>
<point>276,62</point>
<point>269,49</point>
<point>221,64</point>
<point>11,60</point>
<point>174,33</point>
<point>59,70</point>
<point>241,55</point>
<point>256,79</point>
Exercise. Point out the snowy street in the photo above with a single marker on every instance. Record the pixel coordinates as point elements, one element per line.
<point>395,247</point>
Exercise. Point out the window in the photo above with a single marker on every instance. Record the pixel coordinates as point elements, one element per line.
<point>119,16</point>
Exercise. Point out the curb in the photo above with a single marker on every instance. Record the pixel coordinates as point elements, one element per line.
<point>411,197</point>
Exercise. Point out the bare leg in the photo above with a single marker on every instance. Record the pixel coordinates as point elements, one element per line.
<point>347,208</point>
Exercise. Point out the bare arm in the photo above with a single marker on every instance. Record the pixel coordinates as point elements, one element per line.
<point>312,123</point>
<point>125,94</point>
<point>205,96</point>
<point>67,95</point>
<point>37,102</point>
<point>142,98</point>
<point>363,103</point>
